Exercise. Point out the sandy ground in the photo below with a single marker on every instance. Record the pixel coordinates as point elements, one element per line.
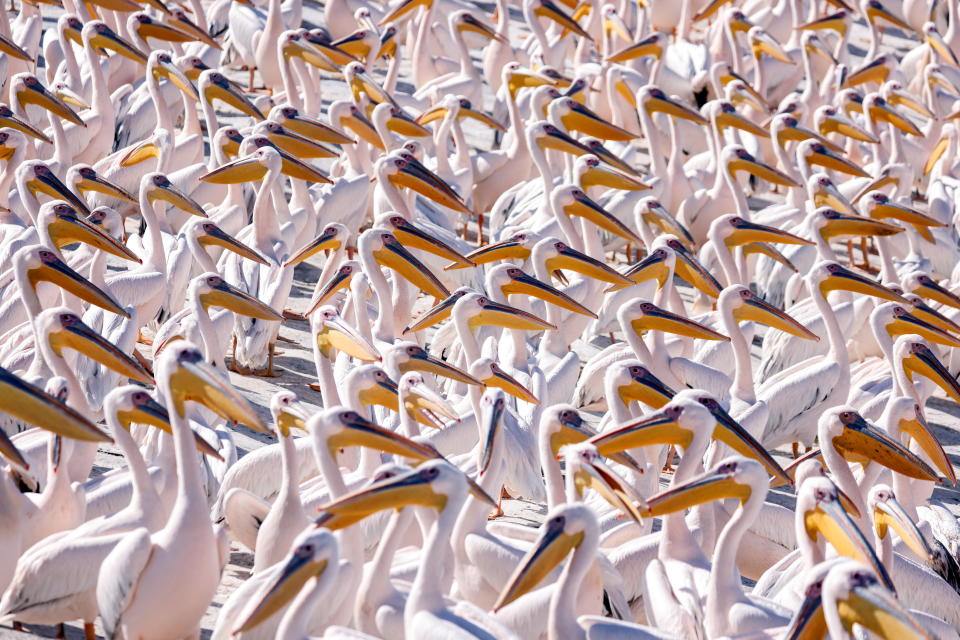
<point>296,364</point>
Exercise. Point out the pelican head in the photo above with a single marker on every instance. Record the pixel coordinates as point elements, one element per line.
<point>654,100</point>
<point>641,315</point>
<point>735,477</point>
<point>207,233</point>
<point>332,332</point>
<point>213,291</point>
<point>475,310</point>
<point>373,385</point>
<point>35,263</point>
<point>215,85</point>
<point>332,237</point>
<point>64,329</point>
<point>415,237</point>
<point>314,555</point>
<point>84,178</point>
<point>157,186</point>
<point>287,412</point>
<point>65,227</point>
<point>423,403</point>
<point>850,435</point>
<point>410,173</point>
<point>380,248</point>
<point>896,320</point>
<point>409,356</point>
<point>566,528</point>
<point>103,37</point>
<point>513,280</point>
<point>926,287</point>
<point>26,89</point>
<point>39,178</point>
<point>918,357</point>
<point>291,118</point>
<point>517,246</point>
<point>735,158</point>
<point>636,383</point>
<point>747,306</point>
<point>556,255</point>
<point>293,143</point>
<point>492,375</point>
<point>832,276</point>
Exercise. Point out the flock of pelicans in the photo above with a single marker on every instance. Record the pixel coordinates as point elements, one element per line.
<point>552,242</point>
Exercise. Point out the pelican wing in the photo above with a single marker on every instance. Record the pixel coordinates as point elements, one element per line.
<point>119,576</point>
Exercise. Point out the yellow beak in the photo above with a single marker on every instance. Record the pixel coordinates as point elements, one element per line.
<point>32,405</point>
<point>394,256</point>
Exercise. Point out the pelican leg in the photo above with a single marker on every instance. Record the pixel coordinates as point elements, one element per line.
<point>250,79</point>
<point>796,450</point>
<point>61,631</point>
<point>290,314</point>
<point>269,371</point>
<point>89,632</point>
<point>668,464</point>
<point>143,340</point>
<point>480,229</point>
<point>142,359</point>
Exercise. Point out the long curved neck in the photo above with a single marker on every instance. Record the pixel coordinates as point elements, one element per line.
<point>164,119</point>
<point>677,541</point>
<point>209,115</point>
<point>427,593</point>
<point>329,468</point>
<point>265,228</point>
<point>296,622</point>
<point>742,387</point>
<point>144,493</point>
<point>562,622</point>
<point>101,93</point>
<point>652,135</point>
<point>190,507</point>
<point>383,328</point>
<point>725,586</point>
<point>153,235</point>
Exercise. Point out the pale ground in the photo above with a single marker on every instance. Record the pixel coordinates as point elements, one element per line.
<point>298,370</point>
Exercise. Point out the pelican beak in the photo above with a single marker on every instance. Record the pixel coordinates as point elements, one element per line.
<point>909,323</point>
<point>602,176</point>
<point>930,288</point>
<point>13,50</point>
<point>836,21</point>
<point>874,607</point>
<point>662,428</point>
<point>140,152</point>
<point>847,280</point>
<point>876,71</point>
<point>299,146</point>
<point>900,98</point>
<point>327,51</point>
<point>731,433</point>
<point>505,250</point>
<point>732,118</point>
<point>646,388</point>
<point>9,119</point>
<point>925,312</point>
<point>923,362</point>
<point>32,405</point>
<point>876,11</point>
<point>746,162</point>
<point>502,380</point>
<point>593,473</point>
<point>597,149</point>
<point>417,177</point>
<point>383,393</point>
<point>758,310</point>
<point>423,403</point>
<point>507,317</point>
<point>69,228</point>
<point>353,44</point>
<point>218,237</point>
<point>659,216</point>
<point>230,297</point>
<point>524,284</point>
<point>830,520</point>
<point>585,207</point>
<point>830,196</point>
<point>107,39</point>
<point>661,102</point>
<point>652,267</point>
<point>889,514</point>
<point>149,412</point>
<point>411,235</point>
<point>559,141</point>
<point>315,130</point>
<point>298,569</point>
<point>247,169</point>
<point>35,93</point>
<point>864,441</point>
<point>197,381</point>
<point>164,190</point>
<point>569,258</point>
<point>151,28</point>
<point>762,43</point>
<point>185,25</point>
<point>551,548</point>
<point>327,240</point>
<point>481,116</point>
<point>886,178</point>
<point>492,426</point>
<point>362,126</point>
<point>340,280</point>
<point>98,183</point>
<point>903,213</point>
<point>436,314</point>
<point>884,112</point>
<point>400,122</point>
<point>581,118</point>
<point>705,488</point>
<point>225,91</point>
<point>9,451</point>
<point>840,123</point>
<point>551,11</point>
<point>918,429</point>
<point>473,25</point>
<point>334,333</point>
<point>293,415</point>
<point>402,9</point>
<point>649,46</point>
<point>53,269</point>
<point>768,250</point>
<point>394,256</point>
<point>808,620</point>
<point>799,133</point>
<point>524,77</point>
<point>426,363</point>
<point>745,231</point>
<point>48,183</point>
<point>656,319</point>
